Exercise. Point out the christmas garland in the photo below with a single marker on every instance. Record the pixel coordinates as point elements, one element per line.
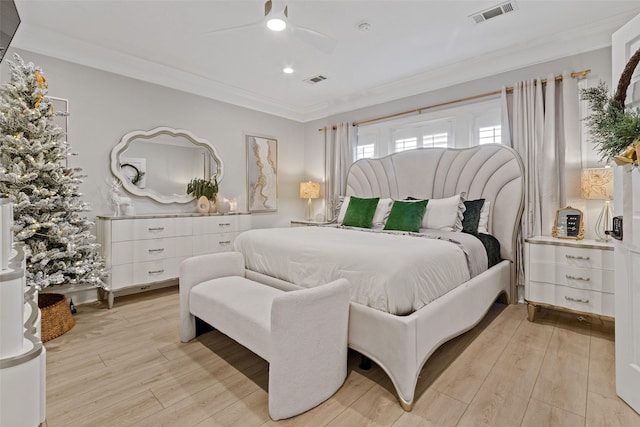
<point>614,130</point>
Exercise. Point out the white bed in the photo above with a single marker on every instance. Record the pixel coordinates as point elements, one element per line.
<point>401,344</point>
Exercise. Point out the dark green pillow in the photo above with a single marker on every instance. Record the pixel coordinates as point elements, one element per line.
<point>471,217</point>
<point>360,212</point>
<point>406,216</point>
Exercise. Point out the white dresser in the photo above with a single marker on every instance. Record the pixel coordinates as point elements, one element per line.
<point>144,250</point>
<point>571,275</point>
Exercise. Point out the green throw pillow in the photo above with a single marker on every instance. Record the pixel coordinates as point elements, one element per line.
<point>472,215</point>
<point>406,216</point>
<point>360,212</point>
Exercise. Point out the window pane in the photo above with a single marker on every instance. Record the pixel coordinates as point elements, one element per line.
<point>366,151</point>
<point>490,135</point>
<point>435,140</point>
<point>406,144</point>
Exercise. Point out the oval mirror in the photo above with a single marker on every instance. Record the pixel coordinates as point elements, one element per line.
<point>568,224</point>
<point>159,163</point>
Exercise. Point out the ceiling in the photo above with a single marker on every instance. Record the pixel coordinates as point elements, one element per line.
<point>410,47</point>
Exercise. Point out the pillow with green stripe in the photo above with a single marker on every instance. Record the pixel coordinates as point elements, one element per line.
<point>360,212</point>
<point>406,216</point>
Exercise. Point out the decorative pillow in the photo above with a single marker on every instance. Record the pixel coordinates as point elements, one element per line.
<point>382,212</point>
<point>472,215</point>
<point>483,225</point>
<point>406,216</point>
<point>444,214</point>
<point>360,212</point>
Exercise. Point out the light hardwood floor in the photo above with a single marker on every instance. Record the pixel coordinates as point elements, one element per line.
<point>126,366</point>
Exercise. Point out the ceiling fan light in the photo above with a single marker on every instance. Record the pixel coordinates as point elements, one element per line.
<point>276,24</point>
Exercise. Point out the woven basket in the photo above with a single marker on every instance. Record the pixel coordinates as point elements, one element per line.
<point>56,316</point>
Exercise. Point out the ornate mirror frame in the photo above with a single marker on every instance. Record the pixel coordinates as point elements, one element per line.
<point>124,171</point>
<point>568,224</point>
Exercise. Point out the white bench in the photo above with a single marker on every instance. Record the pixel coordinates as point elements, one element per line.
<point>301,333</point>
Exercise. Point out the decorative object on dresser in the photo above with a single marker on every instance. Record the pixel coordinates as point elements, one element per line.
<point>575,276</point>
<point>262,174</point>
<point>205,190</point>
<point>145,251</point>
<point>597,184</point>
<point>167,157</point>
<point>309,190</point>
<point>568,224</point>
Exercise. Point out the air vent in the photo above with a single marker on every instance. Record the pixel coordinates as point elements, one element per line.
<point>315,79</point>
<point>492,12</point>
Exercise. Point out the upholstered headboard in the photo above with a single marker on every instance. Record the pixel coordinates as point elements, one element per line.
<point>492,172</point>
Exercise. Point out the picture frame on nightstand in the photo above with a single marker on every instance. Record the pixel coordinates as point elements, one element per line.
<point>568,224</point>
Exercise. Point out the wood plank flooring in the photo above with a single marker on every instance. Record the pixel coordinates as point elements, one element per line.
<point>126,366</point>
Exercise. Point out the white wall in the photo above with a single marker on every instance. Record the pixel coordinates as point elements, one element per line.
<point>104,107</point>
<point>598,61</point>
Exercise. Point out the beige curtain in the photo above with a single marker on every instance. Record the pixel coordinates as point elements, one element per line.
<point>339,141</point>
<point>543,127</point>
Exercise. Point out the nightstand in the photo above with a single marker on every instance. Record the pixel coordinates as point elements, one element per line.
<point>307,223</point>
<point>569,275</point>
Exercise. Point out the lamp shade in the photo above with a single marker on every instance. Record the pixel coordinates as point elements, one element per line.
<point>309,190</point>
<point>597,184</point>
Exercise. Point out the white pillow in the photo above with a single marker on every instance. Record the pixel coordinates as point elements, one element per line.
<point>379,217</point>
<point>444,214</point>
<point>483,224</point>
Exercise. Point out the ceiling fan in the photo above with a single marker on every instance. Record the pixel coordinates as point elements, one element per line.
<point>279,21</point>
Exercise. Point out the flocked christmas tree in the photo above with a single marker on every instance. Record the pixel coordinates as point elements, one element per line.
<point>59,245</point>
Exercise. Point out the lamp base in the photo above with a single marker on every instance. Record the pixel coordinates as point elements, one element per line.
<point>603,223</point>
<point>309,212</point>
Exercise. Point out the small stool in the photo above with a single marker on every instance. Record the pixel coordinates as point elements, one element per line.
<point>301,333</point>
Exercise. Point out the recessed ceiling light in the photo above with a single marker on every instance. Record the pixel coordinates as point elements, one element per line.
<point>287,70</point>
<point>276,24</point>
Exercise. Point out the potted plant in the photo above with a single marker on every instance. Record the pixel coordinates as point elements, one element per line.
<point>614,130</point>
<point>205,190</point>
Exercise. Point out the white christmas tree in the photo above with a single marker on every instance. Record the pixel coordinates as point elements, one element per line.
<point>59,246</point>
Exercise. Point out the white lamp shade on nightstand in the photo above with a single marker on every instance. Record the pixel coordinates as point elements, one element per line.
<point>597,184</point>
<point>309,190</point>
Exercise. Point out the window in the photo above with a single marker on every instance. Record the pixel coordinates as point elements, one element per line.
<point>406,144</point>
<point>458,127</point>
<point>490,135</point>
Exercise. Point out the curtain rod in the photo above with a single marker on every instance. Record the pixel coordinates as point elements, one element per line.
<point>575,75</point>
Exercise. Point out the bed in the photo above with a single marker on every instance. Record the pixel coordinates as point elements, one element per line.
<point>402,335</point>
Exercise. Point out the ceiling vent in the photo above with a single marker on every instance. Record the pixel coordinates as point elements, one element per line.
<point>492,12</point>
<point>315,79</point>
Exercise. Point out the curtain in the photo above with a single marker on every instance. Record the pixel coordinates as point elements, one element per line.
<point>543,127</point>
<point>339,141</point>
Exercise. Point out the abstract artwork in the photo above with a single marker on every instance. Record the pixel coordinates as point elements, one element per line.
<point>262,174</point>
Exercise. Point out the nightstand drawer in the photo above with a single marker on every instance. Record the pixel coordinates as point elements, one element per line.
<point>576,257</point>
<point>575,277</point>
<point>571,298</point>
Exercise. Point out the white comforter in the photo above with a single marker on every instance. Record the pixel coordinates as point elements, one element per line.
<point>390,272</point>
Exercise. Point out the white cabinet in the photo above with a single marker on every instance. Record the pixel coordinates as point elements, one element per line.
<point>140,251</point>
<point>574,275</point>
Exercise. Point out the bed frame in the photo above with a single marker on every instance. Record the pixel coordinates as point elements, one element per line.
<point>401,345</point>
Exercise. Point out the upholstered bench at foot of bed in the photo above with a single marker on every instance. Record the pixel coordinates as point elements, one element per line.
<point>302,333</point>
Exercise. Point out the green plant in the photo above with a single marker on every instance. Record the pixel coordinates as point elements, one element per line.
<point>199,187</point>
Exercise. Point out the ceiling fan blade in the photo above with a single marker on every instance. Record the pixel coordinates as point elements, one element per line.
<point>237,27</point>
<point>320,41</point>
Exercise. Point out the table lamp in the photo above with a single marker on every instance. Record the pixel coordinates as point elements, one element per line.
<point>309,190</point>
<point>597,184</point>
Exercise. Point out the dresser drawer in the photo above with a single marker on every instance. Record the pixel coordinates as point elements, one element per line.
<point>210,243</point>
<point>575,277</point>
<point>214,224</point>
<point>157,271</point>
<point>576,257</point>
<point>149,228</point>
<point>150,249</point>
<point>571,298</point>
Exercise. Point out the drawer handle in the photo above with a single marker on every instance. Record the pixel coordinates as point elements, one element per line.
<point>156,228</point>
<point>584,301</point>
<point>224,224</point>
<point>577,257</point>
<point>156,271</point>
<point>224,242</point>
<point>584,279</point>
<point>152,251</point>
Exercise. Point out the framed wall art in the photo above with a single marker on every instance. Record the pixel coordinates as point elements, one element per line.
<point>262,174</point>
